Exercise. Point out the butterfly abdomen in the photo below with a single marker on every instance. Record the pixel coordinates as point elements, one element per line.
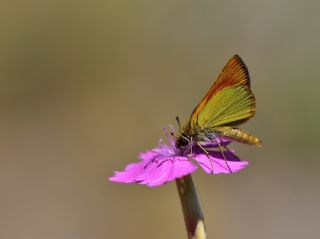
<point>238,135</point>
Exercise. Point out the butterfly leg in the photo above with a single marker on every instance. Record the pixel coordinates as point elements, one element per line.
<point>206,152</point>
<point>190,143</point>
<point>225,146</point>
<point>223,155</point>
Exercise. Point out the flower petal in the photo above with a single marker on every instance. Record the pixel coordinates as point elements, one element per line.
<point>165,170</point>
<point>215,163</point>
<point>215,144</point>
<point>129,175</point>
<point>157,167</point>
<point>162,150</point>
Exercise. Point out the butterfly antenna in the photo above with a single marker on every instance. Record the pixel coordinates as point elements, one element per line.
<point>178,121</point>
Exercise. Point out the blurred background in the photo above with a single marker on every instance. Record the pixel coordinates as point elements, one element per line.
<point>86,85</point>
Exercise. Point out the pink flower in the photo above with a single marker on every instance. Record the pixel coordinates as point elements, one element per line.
<point>166,163</point>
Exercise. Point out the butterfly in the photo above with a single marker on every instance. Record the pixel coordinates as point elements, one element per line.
<point>228,103</point>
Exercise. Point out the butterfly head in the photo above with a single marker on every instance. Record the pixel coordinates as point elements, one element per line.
<point>182,140</point>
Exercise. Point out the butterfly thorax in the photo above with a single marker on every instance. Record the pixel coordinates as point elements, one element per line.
<point>189,136</point>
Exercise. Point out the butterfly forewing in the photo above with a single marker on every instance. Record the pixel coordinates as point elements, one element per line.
<point>229,100</point>
<point>229,105</point>
<point>234,73</point>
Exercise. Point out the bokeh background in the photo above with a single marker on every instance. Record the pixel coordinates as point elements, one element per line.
<point>86,85</point>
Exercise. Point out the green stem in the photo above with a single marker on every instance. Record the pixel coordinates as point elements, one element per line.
<point>193,216</point>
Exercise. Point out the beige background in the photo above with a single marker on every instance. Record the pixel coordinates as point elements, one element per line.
<point>86,85</point>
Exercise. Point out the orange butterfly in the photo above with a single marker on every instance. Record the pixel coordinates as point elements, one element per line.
<point>228,103</point>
